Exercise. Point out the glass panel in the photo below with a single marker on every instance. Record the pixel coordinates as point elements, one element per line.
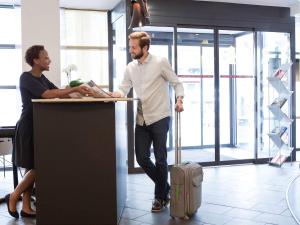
<point>10,65</point>
<point>225,64</point>
<point>84,34</point>
<point>273,50</point>
<point>297,133</point>
<point>84,28</point>
<point>119,51</point>
<point>192,93</point>
<point>91,65</point>
<point>159,50</point>
<point>236,95</point>
<point>196,70</point>
<point>11,99</point>
<point>297,68</point>
<point>10,74</point>
<point>10,23</point>
<point>208,96</point>
<point>297,32</point>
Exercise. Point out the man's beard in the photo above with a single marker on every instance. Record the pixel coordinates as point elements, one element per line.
<point>138,56</point>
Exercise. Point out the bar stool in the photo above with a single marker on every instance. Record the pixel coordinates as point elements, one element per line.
<point>8,132</point>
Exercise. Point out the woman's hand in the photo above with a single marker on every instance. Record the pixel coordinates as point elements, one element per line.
<point>84,90</point>
<point>116,94</point>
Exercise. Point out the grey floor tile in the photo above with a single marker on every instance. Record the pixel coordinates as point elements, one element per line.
<point>137,195</point>
<point>27,221</point>
<point>164,218</point>
<point>286,212</point>
<point>128,222</point>
<point>141,188</point>
<point>270,208</point>
<point>129,213</point>
<point>213,208</point>
<point>212,218</point>
<point>242,213</point>
<point>243,204</point>
<point>11,221</point>
<point>3,208</point>
<point>275,219</point>
<point>243,222</point>
<point>139,204</point>
<point>145,223</point>
<point>8,221</point>
<point>155,218</point>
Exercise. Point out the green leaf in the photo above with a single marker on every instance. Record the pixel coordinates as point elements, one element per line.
<point>75,83</point>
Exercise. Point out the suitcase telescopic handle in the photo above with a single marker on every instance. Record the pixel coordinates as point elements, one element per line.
<point>177,138</point>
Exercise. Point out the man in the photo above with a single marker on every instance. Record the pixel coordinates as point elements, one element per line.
<point>150,77</point>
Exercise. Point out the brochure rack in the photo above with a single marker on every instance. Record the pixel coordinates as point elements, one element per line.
<point>281,122</point>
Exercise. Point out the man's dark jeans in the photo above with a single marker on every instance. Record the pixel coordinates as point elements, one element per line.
<point>155,134</point>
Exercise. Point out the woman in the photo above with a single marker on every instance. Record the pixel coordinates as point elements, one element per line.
<point>33,85</point>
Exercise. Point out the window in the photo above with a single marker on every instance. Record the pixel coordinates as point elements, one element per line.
<point>84,43</point>
<point>10,64</point>
<point>297,68</point>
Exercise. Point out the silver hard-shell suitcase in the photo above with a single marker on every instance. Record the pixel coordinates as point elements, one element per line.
<point>186,181</point>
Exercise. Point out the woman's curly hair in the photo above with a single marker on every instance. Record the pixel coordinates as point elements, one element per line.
<point>33,53</point>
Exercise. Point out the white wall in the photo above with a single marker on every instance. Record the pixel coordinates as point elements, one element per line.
<point>41,25</point>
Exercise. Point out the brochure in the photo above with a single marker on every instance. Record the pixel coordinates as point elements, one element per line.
<point>279,101</point>
<point>98,92</point>
<point>278,160</point>
<point>279,130</point>
<point>282,70</point>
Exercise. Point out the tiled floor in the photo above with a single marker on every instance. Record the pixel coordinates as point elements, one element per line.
<point>232,195</point>
<point>293,196</point>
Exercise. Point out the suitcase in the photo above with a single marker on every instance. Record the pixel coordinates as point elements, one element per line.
<point>186,181</point>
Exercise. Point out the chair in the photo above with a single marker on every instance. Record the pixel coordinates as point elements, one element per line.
<point>5,149</point>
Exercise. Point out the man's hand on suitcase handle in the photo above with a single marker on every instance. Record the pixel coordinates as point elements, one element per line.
<point>179,104</point>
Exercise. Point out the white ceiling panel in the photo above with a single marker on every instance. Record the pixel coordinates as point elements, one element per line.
<point>282,3</point>
<point>78,4</point>
<point>89,4</point>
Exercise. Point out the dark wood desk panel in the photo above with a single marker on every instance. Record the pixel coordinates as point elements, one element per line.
<point>80,158</point>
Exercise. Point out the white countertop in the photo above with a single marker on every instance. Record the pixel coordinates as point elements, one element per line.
<point>83,99</point>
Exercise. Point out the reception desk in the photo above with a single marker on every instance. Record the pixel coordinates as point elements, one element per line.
<point>80,159</point>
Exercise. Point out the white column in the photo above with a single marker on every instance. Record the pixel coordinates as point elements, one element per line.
<point>41,26</point>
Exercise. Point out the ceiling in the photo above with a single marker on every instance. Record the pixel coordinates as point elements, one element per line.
<point>109,4</point>
<point>78,4</point>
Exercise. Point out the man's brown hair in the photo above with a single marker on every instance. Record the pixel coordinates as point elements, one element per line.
<point>33,53</point>
<point>143,37</point>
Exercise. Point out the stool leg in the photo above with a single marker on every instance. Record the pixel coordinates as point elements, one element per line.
<point>15,175</point>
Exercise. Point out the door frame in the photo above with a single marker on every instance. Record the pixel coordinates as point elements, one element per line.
<point>217,145</point>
